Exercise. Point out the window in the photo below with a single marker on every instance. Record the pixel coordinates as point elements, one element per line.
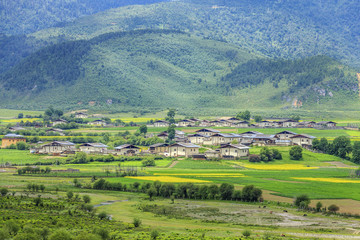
<point>236,151</point>
<point>174,149</point>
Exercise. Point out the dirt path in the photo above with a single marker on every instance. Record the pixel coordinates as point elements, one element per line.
<point>173,164</point>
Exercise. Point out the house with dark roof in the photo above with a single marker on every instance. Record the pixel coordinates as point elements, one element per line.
<point>159,148</point>
<point>328,124</point>
<point>59,121</point>
<point>207,131</point>
<point>127,149</point>
<point>56,147</point>
<point>161,123</point>
<point>183,150</point>
<point>285,135</point>
<point>234,151</point>
<point>302,140</point>
<point>93,148</point>
<point>81,115</point>
<point>198,138</point>
<point>11,139</point>
<point>97,123</point>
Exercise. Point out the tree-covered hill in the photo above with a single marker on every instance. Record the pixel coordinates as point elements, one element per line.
<point>286,29</point>
<point>20,17</point>
<point>168,68</point>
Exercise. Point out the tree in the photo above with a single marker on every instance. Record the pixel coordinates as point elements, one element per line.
<point>251,193</point>
<point>81,157</point>
<point>136,222</point>
<point>21,146</point>
<point>151,192</point>
<point>244,115</point>
<point>86,199</point>
<point>103,215</point>
<point>171,116</point>
<point>342,146</point>
<point>12,227</point>
<point>171,132</point>
<point>323,145</point>
<point>226,191</point>
<point>302,200</point>
<point>295,153</point>
<point>4,191</point>
<point>20,115</point>
<point>276,154</point>
<point>318,206</point>
<point>258,118</point>
<point>88,236</point>
<point>295,118</point>
<point>69,195</point>
<point>60,234</point>
<point>356,153</point>
<point>266,154</point>
<point>333,208</point>
<point>103,233</point>
<point>143,129</point>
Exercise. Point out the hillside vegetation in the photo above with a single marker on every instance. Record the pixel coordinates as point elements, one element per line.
<point>164,68</point>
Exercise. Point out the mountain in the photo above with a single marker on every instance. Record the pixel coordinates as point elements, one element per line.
<point>156,69</point>
<point>282,28</point>
<point>21,17</point>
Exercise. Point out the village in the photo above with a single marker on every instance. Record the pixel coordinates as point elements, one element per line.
<point>214,143</point>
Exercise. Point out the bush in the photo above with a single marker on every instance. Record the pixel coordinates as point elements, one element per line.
<point>295,153</point>
<point>148,162</point>
<point>254,158</point>
<point>154,234</point>
<point>103,215</point>
<point>60,234</point>
<point>21,146</point>
<point>137,222</point>
<point>4,191</point>
<point>333,208</point>
<point>302,201</point>
<point>276,154</point>
<point>86,199</point>
<point>69,195</point>
<point>246,233</point>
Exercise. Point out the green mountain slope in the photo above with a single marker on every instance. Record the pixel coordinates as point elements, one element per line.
<point>20,17</point>
<point>163,68</point>
<point>287,29</point>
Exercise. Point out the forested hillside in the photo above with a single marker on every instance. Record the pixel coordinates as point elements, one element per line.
<point>19,16</point>
<point>287,29</point>
<point>167,68</point>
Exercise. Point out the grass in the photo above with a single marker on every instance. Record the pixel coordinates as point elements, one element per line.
<point>14,156</point>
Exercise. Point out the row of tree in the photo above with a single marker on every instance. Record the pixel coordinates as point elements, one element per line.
<point>225,191</point>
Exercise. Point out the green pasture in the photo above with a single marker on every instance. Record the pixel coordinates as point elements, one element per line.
<point>14,156</point>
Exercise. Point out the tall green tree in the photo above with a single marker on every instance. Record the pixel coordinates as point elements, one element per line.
<point>143,129</point>
<point>295,153</point>
<point>342,146</point>
<point>171,132</point>
<point>244,115</point>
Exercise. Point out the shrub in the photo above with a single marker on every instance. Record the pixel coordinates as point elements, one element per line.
<point>295,153</point>
<point>148,162</point>
<point>333,208</point>
<point>4,191</point>
<point>69,195</point>
<point>254,158</point>
<point>137,222</point>
<point>246,233</point>
<point>154,234</point>
<point>21,146</point>
<point>103,215</point>
<point>302,201</point>
<point>318,206</point>
<point>86,199</point>
<point>60,234</point>
<point>276,154</point>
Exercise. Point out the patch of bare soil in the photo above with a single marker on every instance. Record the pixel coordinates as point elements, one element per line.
<point>340,164</point>
<point>345,205</point>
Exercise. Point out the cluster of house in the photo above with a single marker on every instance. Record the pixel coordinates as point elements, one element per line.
<point>234,122</point>
<point>213,137</point>
<point>231,145</point>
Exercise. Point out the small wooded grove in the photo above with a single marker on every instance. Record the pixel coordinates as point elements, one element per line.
<point>225,191</point>
<point>341,147</point>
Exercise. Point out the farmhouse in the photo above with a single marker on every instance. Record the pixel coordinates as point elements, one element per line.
<point>59,121</point>
<point>159,148</point>
<point>179,136</point>
<point>14,129</point>
<point>265,124</point>
<point>93,148</point>
<point>287,123</point>
<point>240,124</point>
<point>308,124</point>
<point>56,147</point>
<point>212,154</point>
<point>81,115</point>
<point>234,151</point>
<point>198,138</point>
<point>328,124</point>
<point>10,139</point>
<point>185,123</point>
<point>183,150</point>
<point>161,123</point>
<point>97,123</point>
<point>56,130</point>
<point>285,135</point>
<point>127,149</point>
<point>302,140</point>
<point>221,138</point>
<point>263,139</point>
<point>207,131</point>
<point>204,123</point>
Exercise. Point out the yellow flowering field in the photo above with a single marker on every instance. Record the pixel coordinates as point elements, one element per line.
<point>203,174</point>
<point>279,167</point>
<point>168,179</point>
<point>19,120</point>
<point>135,120</point>
<point>331,180</point>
